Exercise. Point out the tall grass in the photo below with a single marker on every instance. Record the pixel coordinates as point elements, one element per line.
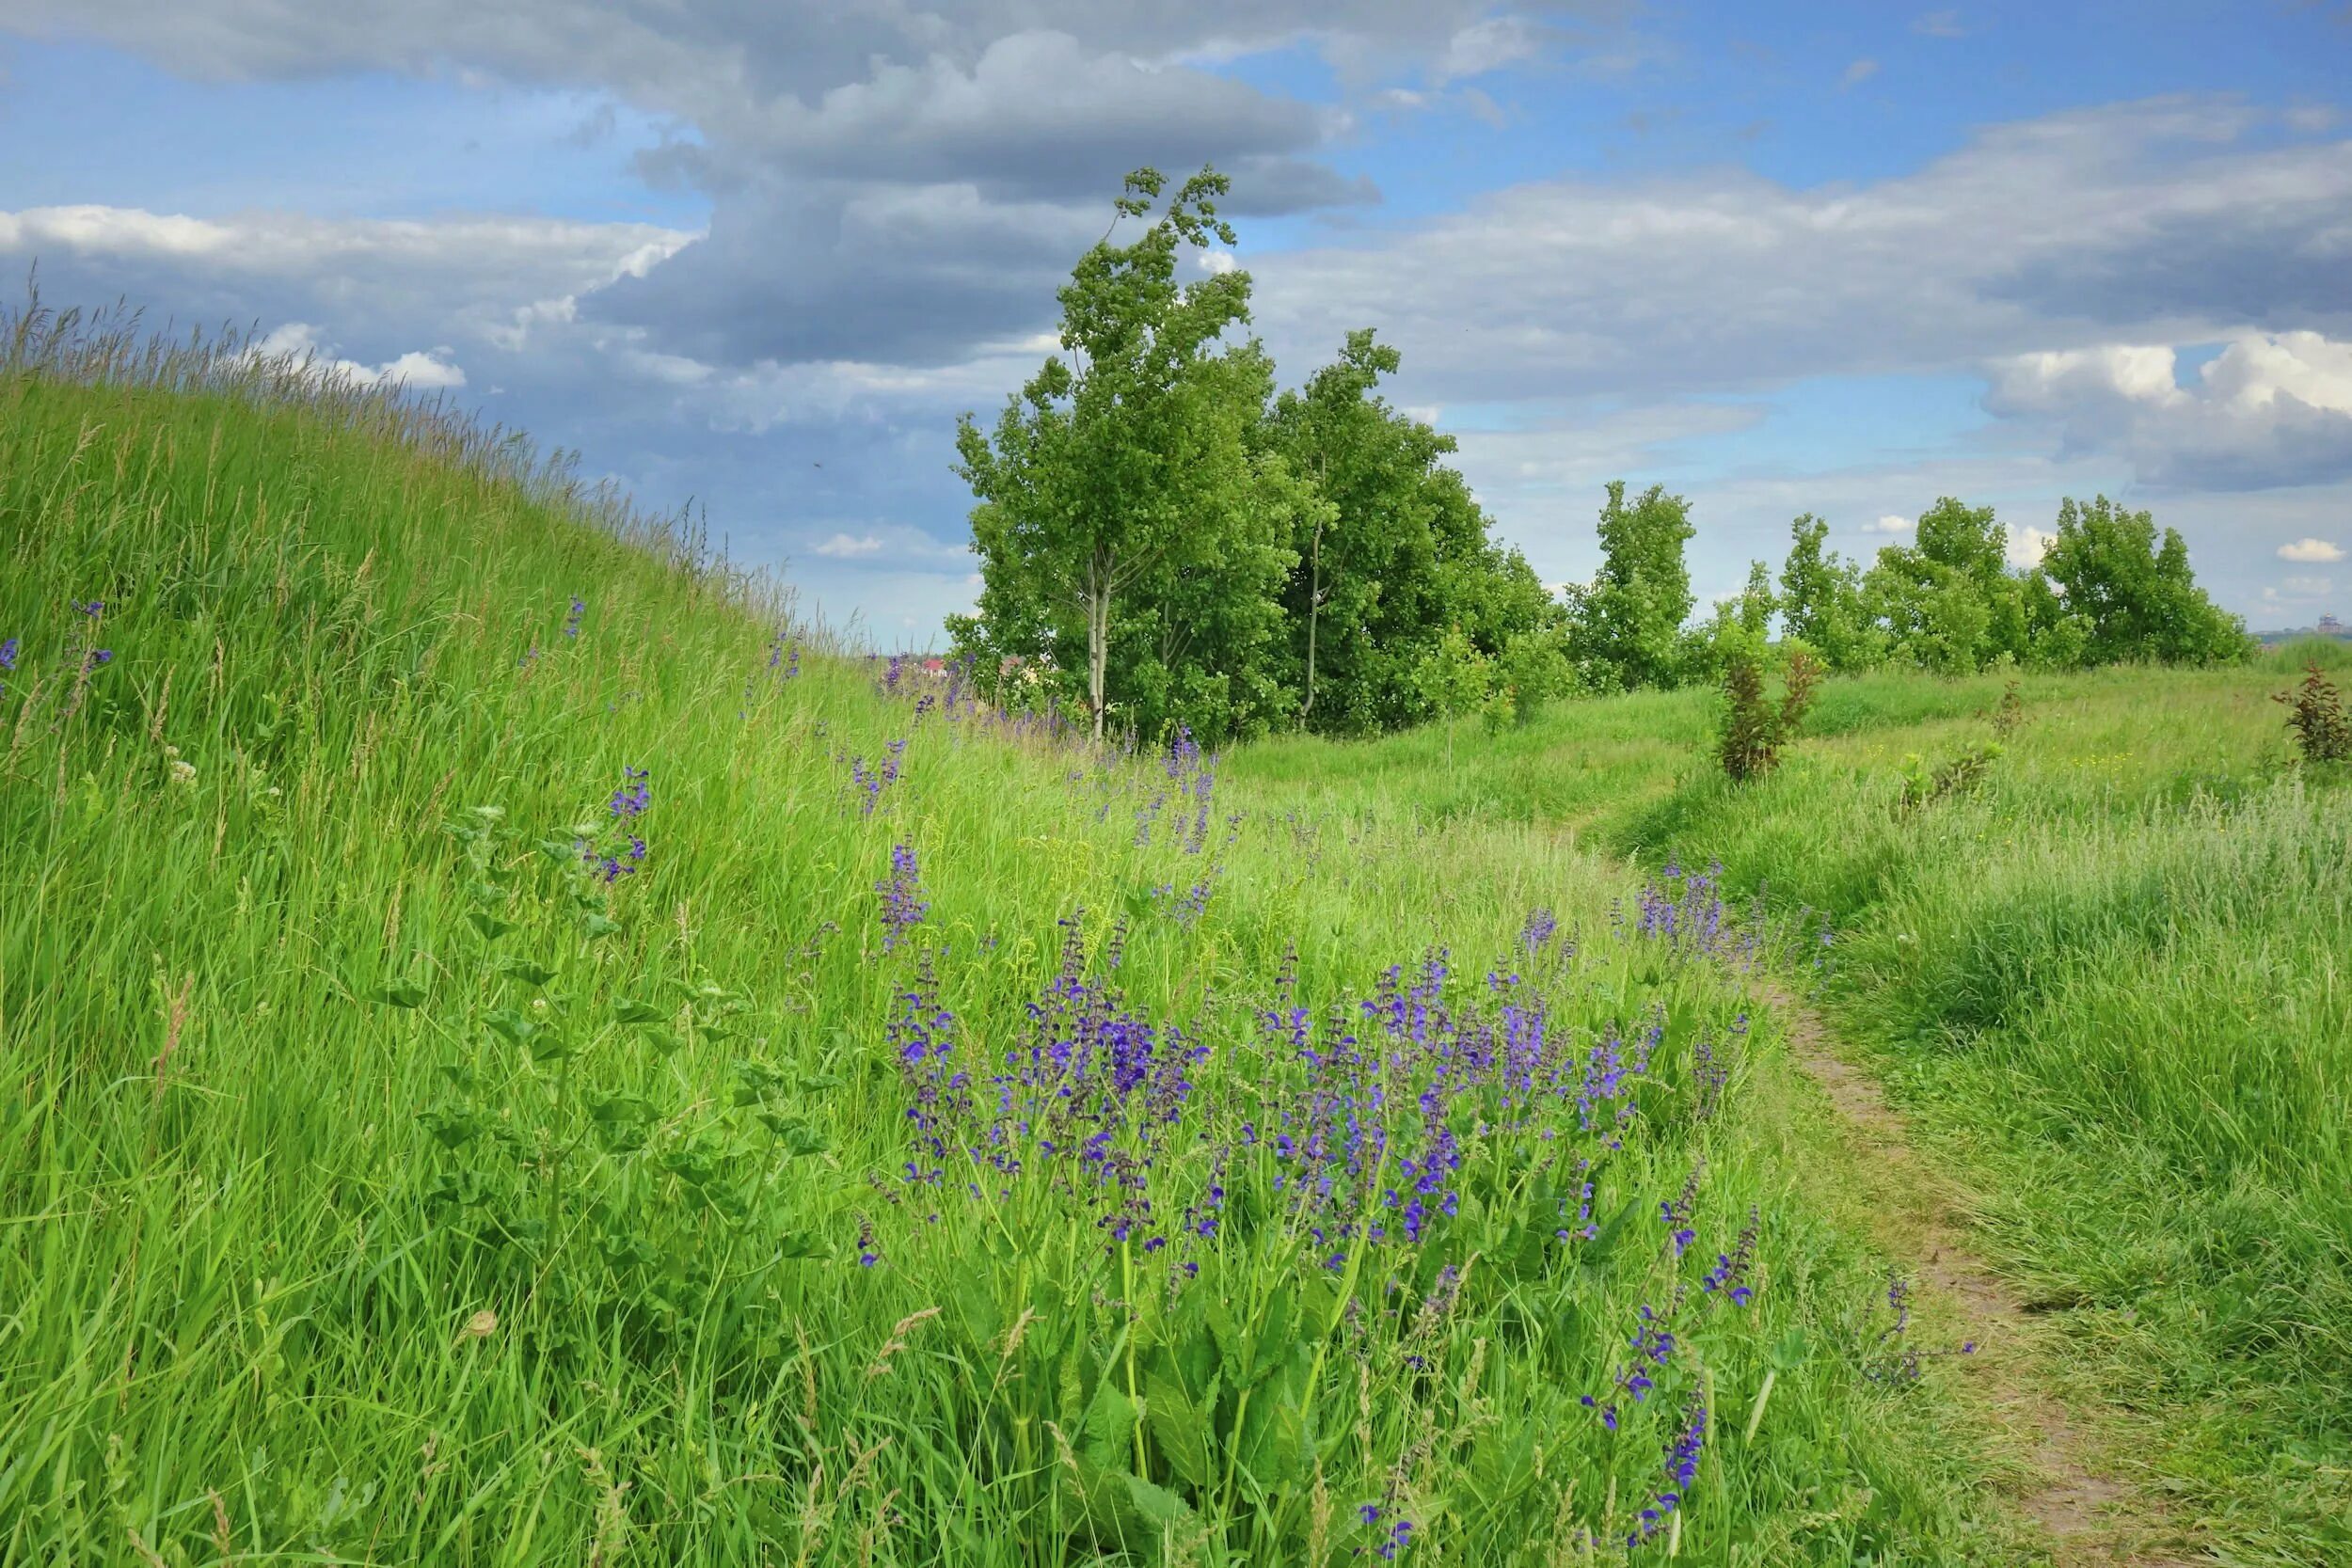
<point>516,1052</point>
<point>2109,976</point>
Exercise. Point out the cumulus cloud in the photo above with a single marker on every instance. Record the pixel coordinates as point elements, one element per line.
<point>298,343</point>
<point>1892,523</point>
<point>2311,551</point>
<point>2028,545</point>
<point>1858,72</point>
<point>2269,409</point>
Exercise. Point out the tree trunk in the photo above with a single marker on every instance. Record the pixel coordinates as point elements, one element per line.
<point>1314,606</point>
<point>1098,635</point>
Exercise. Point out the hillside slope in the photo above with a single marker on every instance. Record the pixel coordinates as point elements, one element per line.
<point>515,1053</point>
<point>2107,973</point>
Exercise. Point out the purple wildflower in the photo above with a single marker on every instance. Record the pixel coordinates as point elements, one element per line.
<point>1731,1270</point>
<point>571,622</point>
<point>903,906</point>
<point>1682,1469</point>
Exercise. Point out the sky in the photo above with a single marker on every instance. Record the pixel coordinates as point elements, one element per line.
<point>756,256</point>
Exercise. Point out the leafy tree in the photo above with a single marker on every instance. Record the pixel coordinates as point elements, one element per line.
<point>1452,679</point>
<point>1820,600</point>
<point>1742,625</point>
<point>1128,466</point>
<point>1397,550</point>
<point>2135,596</point>
<point>1948,602</point>
<point>1630,618</point>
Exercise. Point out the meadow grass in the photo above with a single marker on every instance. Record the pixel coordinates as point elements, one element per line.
<point>2109,978</point>
<point>517,1051</point>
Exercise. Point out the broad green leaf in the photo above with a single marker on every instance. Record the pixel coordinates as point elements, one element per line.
<point>1178,1428</point>
<point>402,993</point>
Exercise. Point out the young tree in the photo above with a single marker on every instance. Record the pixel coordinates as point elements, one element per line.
<point>1128,461</point>
<point>1632,615</point>
<point>2136,598</point>
<point>1949,601</point>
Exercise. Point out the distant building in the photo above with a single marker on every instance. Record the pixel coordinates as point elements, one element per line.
<point>2330,626</point>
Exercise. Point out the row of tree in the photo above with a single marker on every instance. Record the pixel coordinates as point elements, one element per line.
<point>1164,540</point>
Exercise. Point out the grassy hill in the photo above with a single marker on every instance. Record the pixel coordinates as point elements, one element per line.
<point>2110,976</point>
<point>516,1052</point>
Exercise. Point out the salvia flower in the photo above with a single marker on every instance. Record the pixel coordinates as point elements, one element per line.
<point>572,620</point>
<point>1682,1469</point>
<point>903,905</point>
<point>1732,1269</point>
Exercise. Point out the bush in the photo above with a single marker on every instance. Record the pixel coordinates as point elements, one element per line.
<point>1754,730</point>
<point>2322,730</point>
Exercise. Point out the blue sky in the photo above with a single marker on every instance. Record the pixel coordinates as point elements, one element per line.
<point>1833,258</point>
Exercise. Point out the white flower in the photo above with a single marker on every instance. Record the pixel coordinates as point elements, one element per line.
<point>182,772</point>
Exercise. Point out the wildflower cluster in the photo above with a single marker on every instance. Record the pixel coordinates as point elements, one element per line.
<point>903,905</point>
<point>870,783</point>
<point>620,850</point>
<point>572,620</point>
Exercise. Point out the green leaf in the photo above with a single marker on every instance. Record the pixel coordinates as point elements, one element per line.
<point>598,925</point>
<point>1160,1507</point>
<point>490,926</point>
<point>1177,1426</point>
<point>401,993</point>
<point>1790,1353</point>
<point>552,1047</point>
<point>626,1011</point>
<point>524,970</point>
<point>513,1025</point>
<point>1109,1430</point>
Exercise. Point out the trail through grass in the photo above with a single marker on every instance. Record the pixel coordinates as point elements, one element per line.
<point>2106,984</point>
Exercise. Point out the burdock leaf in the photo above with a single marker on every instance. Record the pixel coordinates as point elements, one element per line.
<point>524,970</point>
<point>626,1011</point>
<point>490,926</point>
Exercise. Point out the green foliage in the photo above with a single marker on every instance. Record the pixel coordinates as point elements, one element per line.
<point>1116,478</point>
<point>1630,620</point>
<point>2131,596</point>
<point>2105,981</point>
<point>394,1175</point>
<point>2323,732</point>
<point>1820,600</point>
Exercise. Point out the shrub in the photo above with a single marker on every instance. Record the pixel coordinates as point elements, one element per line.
<point>2322,730</point>
<point>1754,730</point>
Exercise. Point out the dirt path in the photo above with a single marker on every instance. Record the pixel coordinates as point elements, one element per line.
<point>2091,1517</point>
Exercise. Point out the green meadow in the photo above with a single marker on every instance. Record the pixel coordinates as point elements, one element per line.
<point>2107,978</point>
<point>518,1048</point>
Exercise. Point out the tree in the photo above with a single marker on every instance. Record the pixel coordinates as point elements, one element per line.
<point>1397,551</point>
<point>1948,602</point>
<point>1129,463</point>
<point>1631,616</point>
<point>2134,597</point>
<point>1820,600</point>
<point>1454,678</point>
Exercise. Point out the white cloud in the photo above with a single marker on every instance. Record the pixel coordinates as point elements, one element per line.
<point>843,546</point>
<point>1857,74</point>
<point>2311,551</point>
<point>2269,409</point>
<point>1214,260</point>
<point>298,344</point>
<point>1939,24</point>
<point>2028,545</point>
<point>1892,523</point>
<point>1487,45</point>
<point>2300,589</point>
